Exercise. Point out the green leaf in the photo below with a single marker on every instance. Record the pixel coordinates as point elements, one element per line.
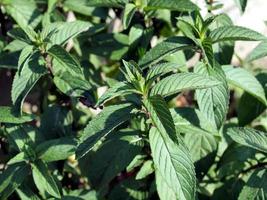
<point>234,160</point>
<point>167,47</point>
<point>7,116</point>
<point>259,52</point>
<point>107,3</point>
<point>68,74</point>
<point>43,180</point>
<point>20,35</point>
<point>163,189</point>
<point>11,178</point>
<point>57,149</point>
<point>62,32</point>
<point>105,122</point>
<point>199,142</point>
<point>213,102</point>
<point>246,81</point>
<point>178,5</point>
<point>24,138</point>
<point>228,33</point>
<point>64,61</point>
<point>20,157</point>
<point>24,12</point>
<point>112,157</point>
<point>173,163</point>
<point>161,116</point>
<point>256,187</point>
<point>223,50</point>
<point>118,90</point>
<point>72,85</point>
<point>247,112</point>
<point>242,4</point>
<point>162,69</point>
<point>182,81</point>
<point>81,194</point>
<point>207,49</point>
<point>249,137</point>
<point>128,14</point>
<point>25,54</point>
<point>32,71</point>
<point>187,116</point>
<point>145,170</point>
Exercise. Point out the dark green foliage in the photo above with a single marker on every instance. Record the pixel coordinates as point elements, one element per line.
<point>104,104</point>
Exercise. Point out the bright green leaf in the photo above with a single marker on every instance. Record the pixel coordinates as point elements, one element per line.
<point>181,82</point>
<point>128,14</point>
<point>172,161</point>
<point>228,33</point>
<point>145,170</point>
<point>249,137</point>
<point>32,71</point>
<point>246,81</point>
<point>57,149</point>
<point>43,180</point>
<point>213,102</point>
<point>178,5</point>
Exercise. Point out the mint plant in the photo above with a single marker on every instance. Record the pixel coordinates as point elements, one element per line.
<point>120,99</point>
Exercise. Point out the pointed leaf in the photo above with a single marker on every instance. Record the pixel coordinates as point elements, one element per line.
<point>65,61</point>
<point>11,178</point>
<point>25,54</point>
<point>213,102</point>
<point>259,52</point>
<point>105,122</point>
<point>228,33</point>
<point>161,116</point>
<point>20,157</point>
<point>249,137</point>
<point>60,33</point>
<point>57,149</point>
<point>248,112</point>
<point>128,14</point>
<point>242,4</point>
<point>246,81</point>
<point>43,180</point>
<point>181,82</point>
<point>23,83</point>
<point>24,12</point>
<point>162,69</point>
<point>178,5</point>
<point>107,3</point>
<point>118,90</point>
<point>167,47</point>
<point>172,161</point>
<point>145,170</point>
